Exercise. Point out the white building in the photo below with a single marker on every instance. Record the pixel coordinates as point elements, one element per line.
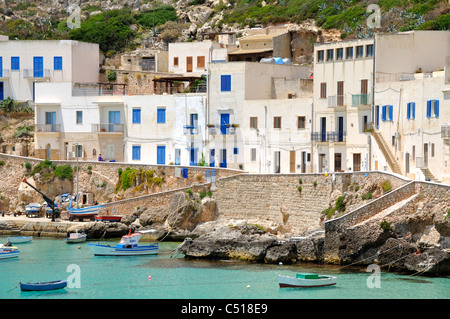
<point>26,62</point>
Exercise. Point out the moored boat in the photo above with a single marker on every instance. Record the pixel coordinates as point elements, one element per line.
<point>84,212</point>
<point>108,218</point>
<point>20,239</point>
<point>128,246</point>
<point>41,286</point>
<point>33,209</point>
<point>306,281</point>
<point>76,238</point>
<point>8,252</point>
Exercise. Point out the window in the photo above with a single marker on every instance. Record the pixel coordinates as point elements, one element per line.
<point>339,54</point>
<point>161,115</point>
<point>253,122</point>
<point>323,90</point>
<point>15,63</point>
<point>364,86</point>
<point>330,55</point>
<point>411,110</point>
<point>433,108</point>
<point>136,153</point>
<point>387,113</point>
<point>200,62</point>
<point>432,149</point>
<point>136,116</point>
<point>301,122</point>
<point>79,117</point>
<point>225,83</point>
<point>253,154</point>
<point>175,61</point>
<point>349,53</point>
<point>235,151</point>
<point>320,56</point>
<point>359,51</point>
<point>57,63</point>
<point>369,50</point>
<point>277,122</point>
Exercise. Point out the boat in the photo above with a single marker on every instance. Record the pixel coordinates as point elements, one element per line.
<point>49,210</point>
<point>306,280</point>
<point>81,213</point>
<point>33,209</point>
<point>8,252</point>
<point>76,238</point>
<point>128,246</point>
<point>108,218</point>
<point>20,239</point>
<point>41,286</point>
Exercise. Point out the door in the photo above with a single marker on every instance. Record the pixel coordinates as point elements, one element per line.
<point>321,163</point>
<point>377,116</point>
<point>188,64</point>
<point>425,155</point>
<point>407,163</point>
<point>276,161</point>
<point>110,152</point>
<point>38,67</point>
<point>212,158</point>
<point>1,67</point>
<point>194,124</point>
<point>224,123</point>
<point>50,121</point>
<point>303,162</point>
<point>114,118</point>
<point>223,158</point>
<point>2,96</point>
<point>292,162</point>
<point>177,156</point>
<point>340,129</point>
<point>357,162</point>
<point>340,93</point>
<point>48,153</point>
<point>193,157</point>
<point>323,129</point>
<point>337,162</point>
<point>161,155</point>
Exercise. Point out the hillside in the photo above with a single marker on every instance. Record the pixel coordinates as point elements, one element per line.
<point>124,25</point>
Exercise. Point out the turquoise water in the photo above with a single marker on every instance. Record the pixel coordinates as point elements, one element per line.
<point>101,277</point>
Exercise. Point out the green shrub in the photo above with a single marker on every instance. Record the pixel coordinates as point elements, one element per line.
<point>329,212</point>
<point>448,214</point>
<point>39,167</point>
<point>300,181</point>
<point>2,163</point>
<point>315,183</point>
<point>366,196</point>
<point>189,191</point>
<point>339,205</point>
<point>64,172</point>
<point>210,194</point>
<point>158,16</point>
<point>386,226</point>
<point>111,76</point>
<point>202,194</point>
<point>386,186</point>
<point>28,165</point>
<point>299,189</point>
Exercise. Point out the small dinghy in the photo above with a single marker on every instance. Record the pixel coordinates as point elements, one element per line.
<point>41,286</point>
<point>8,252</point>
<point>20,239</point>
<point>306,281</point>
<point>76,238</point>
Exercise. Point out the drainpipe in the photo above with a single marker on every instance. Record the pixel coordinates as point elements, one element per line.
<point>373,105</point>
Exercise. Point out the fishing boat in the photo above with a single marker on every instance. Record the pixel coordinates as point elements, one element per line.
<point>108,218</point>
<point>49,210</point>
<point>81,213</point>
<point>306,281</point>
<point>76,238</point>
<point>8,252</point>
<point>33,208</point>
<point>128,246</point>
<point>20,239</point>
<point>41,286</point>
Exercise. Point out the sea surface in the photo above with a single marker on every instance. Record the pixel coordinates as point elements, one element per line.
<point>169,276</point>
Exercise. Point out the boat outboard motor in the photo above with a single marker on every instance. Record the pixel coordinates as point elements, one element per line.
<point>8,244</point>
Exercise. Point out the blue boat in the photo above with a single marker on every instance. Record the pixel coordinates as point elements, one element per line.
<point>41,286</point>
<point>128,246</point>
<point>85,212</point>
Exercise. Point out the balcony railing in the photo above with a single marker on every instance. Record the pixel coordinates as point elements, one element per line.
<point>191,129</point>
<point>4,73</point>
<point>31,73</point>
<point>335,100</point>
<point>360,99</point>
<point>222,129</point>
<point>445,131</point>
<point>110,127</point>
<point>331,136</point>
<point>48,128</point>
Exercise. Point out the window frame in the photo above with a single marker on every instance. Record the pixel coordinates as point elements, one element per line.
<point>301,122</point>
<point>225,82</point>
<point>133,154</point>
<point>136,115</point>
<point>57,63</point>
<point>15,60</point>
<point>277,122</point>
<point>78,114</point>
<point>254,122</point>
<point>161,115</point>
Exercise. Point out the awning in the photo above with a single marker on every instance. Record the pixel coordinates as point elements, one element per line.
<point>249,51</point>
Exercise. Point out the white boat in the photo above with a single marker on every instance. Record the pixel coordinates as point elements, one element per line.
<point>33,208</point>
<point>8,252</point>
<point>76,238</point>
<point>306,281</point>
<point>85,212</point>
<point>20,239</point>
<point>128,246</point>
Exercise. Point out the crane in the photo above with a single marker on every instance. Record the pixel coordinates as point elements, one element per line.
<point>50,203</point>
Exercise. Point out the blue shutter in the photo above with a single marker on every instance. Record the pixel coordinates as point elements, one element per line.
<point>38,67</point>
<point>428,108</point>
<point>225,83</point>
<point>160,155</point>
<point>383,113</point>
<point>136,116</point>
<point>57,63</point>
<point>15,63</point>
<point>408,110</point>
<point>136,156</point>
<point>1,67</point>
<point>161,116</point>
<point>436,108</point>
<point>413,106</point>
<point>391,111</point>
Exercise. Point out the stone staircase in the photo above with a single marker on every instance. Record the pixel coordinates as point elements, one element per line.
<point>428,175</point>
<point>383,146</point>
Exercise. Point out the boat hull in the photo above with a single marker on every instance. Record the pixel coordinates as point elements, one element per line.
<point>20,239</point>
<point>76,240</point>
<point>106,250</point>
<point>108,218</point>
<point>291,282</point>
<point>9,254</point>
<point>41,286</point>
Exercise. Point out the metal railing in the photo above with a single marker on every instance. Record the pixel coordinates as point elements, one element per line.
<point>360,99</point>
<point>31,73</point>
<point>191,129</point>
<point>330,136</point>
<point>178,89</point>
<point>107,127</point>
<point>445,131</point>
<point>4,73</point>
<point>222,129</point>
<point>335,100</point>
<point>47,128</point>
<point>96,91</point>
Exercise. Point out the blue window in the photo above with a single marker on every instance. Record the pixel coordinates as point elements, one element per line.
<point>383,113</point>
<point>15,63</point>
<point>160,155</point>
<point>225,83</point>
<point>161,116</point>
<point>433,108</point>
<point>136,116</point>
<point>235,151</point>
<point>79,117</point>
<point>391,112</point>
<point>38,67</point>
<point>57,63</point>
<point>387,113</point>
<point>411,110</point>
<point>136,156</point>
<point>1,67</point>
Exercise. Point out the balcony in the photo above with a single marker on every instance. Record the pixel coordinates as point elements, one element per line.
<point>36,74</point>
<point>4,73</point>
<point>47,128</point>
<point>445,131</point>
<point>107,128</point>
<point>222,129</point>
<point>335,101</point>
<point>331,136</point>
<point>191,129</point>
<point>360,99</point>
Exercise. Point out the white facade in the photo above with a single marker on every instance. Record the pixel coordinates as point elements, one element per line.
<point>25,62</point>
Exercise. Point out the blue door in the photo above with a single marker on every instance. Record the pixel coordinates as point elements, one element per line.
<point>224,121</point>
<point>50,120</point>
<point>38,67</point>
<point>1,67</point>
<point>160,155</point>
<point>114,118</point>
<point>1,91</point>
<point>323,129</point>
<point>340,129</point>
<point>212,160</point>
<point>223,158</point>
<point>377,116</point>
<point>193,157</point>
